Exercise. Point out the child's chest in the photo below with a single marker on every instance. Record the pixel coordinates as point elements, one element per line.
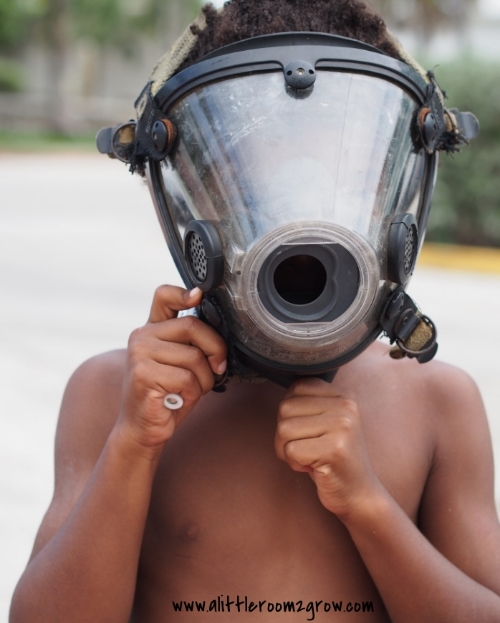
<point>227,515</point>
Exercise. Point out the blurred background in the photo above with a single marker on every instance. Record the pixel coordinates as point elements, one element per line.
<point>80,249</point>
<point>67,67</point>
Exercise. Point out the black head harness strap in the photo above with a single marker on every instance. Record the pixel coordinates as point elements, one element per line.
<point>153,136</point>
<point>443,129</point>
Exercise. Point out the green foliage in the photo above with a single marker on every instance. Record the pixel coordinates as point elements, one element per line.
<point>120,22</point>
<point>30,141</point>
<point>102,20</point>
<point>109,22</point>
<point>17,18</point>
<point>12,23</point>
<point>11,76</point>
<point>466,207</point>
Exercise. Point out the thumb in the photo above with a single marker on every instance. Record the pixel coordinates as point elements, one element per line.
<point>168,300</point>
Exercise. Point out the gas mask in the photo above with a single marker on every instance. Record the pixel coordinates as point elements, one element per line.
<point>293,175</point>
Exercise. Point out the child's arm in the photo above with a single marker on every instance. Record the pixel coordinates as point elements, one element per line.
<point>109,441</point>
<point>449,572</point>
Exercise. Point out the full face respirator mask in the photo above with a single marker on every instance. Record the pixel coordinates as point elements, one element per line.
<point>293,175</point>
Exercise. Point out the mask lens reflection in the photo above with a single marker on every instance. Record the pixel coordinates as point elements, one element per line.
<point>300,279</point>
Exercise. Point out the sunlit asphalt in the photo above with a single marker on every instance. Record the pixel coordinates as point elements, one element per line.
<point>81,253</point>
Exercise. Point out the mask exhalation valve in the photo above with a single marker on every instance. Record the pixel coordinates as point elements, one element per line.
<point>203,251</point>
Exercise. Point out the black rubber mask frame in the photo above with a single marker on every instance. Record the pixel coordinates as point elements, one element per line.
<point>280,53</point>
<point>273,53</point>
<point>299,57</point>
<point>284,52</point>
<point>276,52</point>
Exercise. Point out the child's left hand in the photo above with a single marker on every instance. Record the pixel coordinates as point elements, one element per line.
<point>319,431</point>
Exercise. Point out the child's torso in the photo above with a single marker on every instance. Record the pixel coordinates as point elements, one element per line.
<point>228,520</point>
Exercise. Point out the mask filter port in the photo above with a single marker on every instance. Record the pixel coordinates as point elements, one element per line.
<point>203,253</point>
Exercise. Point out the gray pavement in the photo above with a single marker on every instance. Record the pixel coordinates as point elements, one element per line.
<point>81,253</point>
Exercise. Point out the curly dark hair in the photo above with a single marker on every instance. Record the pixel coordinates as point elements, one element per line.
<point>242,19</point>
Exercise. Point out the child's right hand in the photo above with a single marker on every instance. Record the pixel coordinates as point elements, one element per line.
<point>168,355</point>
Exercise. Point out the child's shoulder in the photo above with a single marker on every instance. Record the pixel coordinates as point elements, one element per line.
<point>437,376</point>
<point>91,401</point>
<point>447,393</point>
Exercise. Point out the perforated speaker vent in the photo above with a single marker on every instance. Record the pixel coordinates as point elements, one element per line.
<point>204,255</point>
<point>410,250</point>
<point>197,256</point>
<point>402,249</point>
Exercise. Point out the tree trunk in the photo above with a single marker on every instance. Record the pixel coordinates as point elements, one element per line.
<point>58,40</point>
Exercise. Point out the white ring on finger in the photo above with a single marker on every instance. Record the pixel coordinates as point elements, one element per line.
<point>173,402</point>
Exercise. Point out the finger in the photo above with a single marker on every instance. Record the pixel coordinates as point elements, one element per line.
<point>312,386</point>
<point>306,453</point>
<point>182,356</point>
<point>193,332</point>
<point>298,429</point>
<point>300,406</point>
<point>169,300</point>
<point>300,468</point>
<point>159,380</point>
<point>305,427</point>
<point>288,455</point>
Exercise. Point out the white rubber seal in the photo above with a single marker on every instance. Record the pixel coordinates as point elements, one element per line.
<point>173,402</point>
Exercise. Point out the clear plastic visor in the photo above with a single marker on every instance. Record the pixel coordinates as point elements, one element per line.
<point>254,156</point>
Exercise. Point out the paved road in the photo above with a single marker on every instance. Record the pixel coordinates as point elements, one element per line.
<point>80,255</point>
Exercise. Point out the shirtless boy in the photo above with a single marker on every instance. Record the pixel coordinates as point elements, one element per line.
<point>265,502</point>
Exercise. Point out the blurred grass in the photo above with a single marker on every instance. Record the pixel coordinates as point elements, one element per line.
<point>25,142</point>
<point>458,257</point>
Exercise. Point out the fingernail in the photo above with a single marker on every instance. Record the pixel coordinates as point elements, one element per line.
<point>222,368</point>
<point>194,293</point>
<point>325,470</point>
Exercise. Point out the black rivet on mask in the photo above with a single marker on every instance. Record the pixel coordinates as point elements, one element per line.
<point>160,136</point>
<point>395,306</point>
<point>163,135</point>
<point>405,325</point>
<point>430,132</point>
<point>300,75</point>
